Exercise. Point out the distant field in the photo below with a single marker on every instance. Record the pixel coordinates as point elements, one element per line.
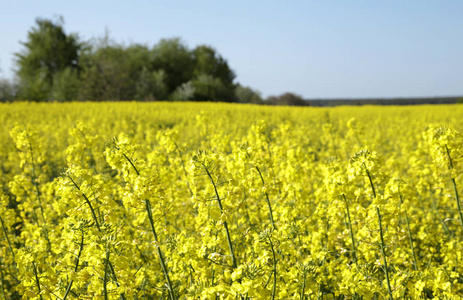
<point>222,201</point>
<point>390,101</point>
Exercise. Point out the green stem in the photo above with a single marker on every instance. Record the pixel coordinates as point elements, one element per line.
<point>37,279</point>
<point>274,269</point>
<point>184,169</point>
<point>214,250</point>
<point>267,199</point>
<point>271,165</point>
<point>303,287</point>
<point>225,225</point>
<point>434,205</point>
<point>354,248</point>
<point>458,201</point>
<point>95,219</point>
<point>383,253</point>
<point>76,266</point>
<point>457,197</point>
<point>158,248</point>
<point>131,163</point>
<point>39,198</point>
<point>320,292</point>
<point>105,278</point>
<point>7,238</point>
<point>34,180</point>
<point>2,281</point>
<point>371,181</point>
<point>268,279</point>
<point>410,239</point>
<point>212,277</point>
<point>97,224</point>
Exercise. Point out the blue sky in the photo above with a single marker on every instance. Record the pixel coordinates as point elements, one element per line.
<point>318,49</point>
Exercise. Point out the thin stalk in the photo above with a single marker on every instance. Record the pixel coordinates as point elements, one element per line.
<point>184,169</point>
<point>267,199</point>
<point>39,198</point>
<point>439,218</point>
<point>320,292</point>
<point>383,253</point>
<point>410,239</point>
<point>458,202</point>
<point>131,163</point>
<point>192,270</point>
<point>7,238</point>
<point>371,181</point>
<point>76,266</point>
<point>34,180</point>
<point>212,277</point>
<point>225,225</point>
<point>303,287</point>
<point>274,269</point>
<point>2,281</point>
<point>105,278</point>
<point>457,197</point>
<point>272,169</point>
<point>354,248</point>
<point>97,224</point>
<point>37,279</point>
<point>382,246</point>
<point>268,279</point>
<point>158,248</point>
<point>214,250</point>
<point>95,219</point>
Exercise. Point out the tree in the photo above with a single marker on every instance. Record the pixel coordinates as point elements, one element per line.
<point>8,90</point>
<point>151,85</point>
<point>210,88</point>
<point>105,74</point>
<point>287,99</point>
<point>208,61</point>
<point>174,57</point>
<point>66,85</point>
<point>246,94</point>
<point>138,64</point>
<point>55,66</point>
<point>184,92</point>
<point>47,52</point>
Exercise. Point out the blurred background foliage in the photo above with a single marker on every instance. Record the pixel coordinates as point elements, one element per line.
<point>56,66</point>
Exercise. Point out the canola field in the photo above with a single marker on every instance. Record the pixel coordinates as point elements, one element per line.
<point>221,201</point>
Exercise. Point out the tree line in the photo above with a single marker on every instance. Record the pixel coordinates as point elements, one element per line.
<point>55,66</point>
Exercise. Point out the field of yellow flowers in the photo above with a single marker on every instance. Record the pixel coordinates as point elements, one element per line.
<point>220,201</point>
